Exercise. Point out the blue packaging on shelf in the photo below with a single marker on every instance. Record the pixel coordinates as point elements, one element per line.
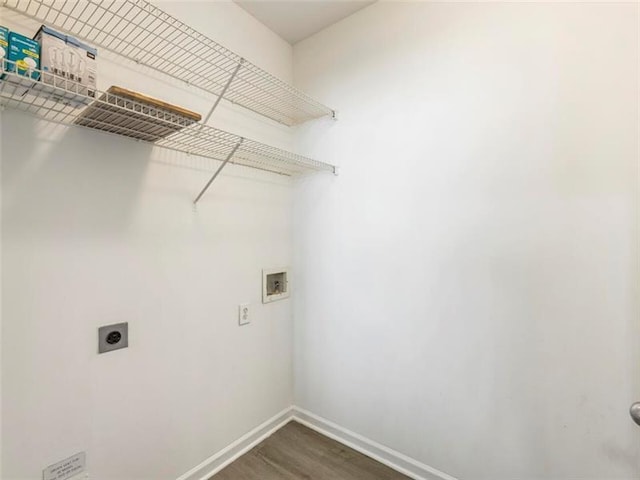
<point>4,47</point>
<point>23,56</point>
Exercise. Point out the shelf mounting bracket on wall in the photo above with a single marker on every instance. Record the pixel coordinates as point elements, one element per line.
<point>224,163</point>
<point>224,90</point>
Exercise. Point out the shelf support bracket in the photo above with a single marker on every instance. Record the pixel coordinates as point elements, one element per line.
<point>224,163</point>
<point>224,90</point>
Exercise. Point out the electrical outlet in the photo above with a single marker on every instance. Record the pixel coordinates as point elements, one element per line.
<point>113,337</point>
<point>244,314</point>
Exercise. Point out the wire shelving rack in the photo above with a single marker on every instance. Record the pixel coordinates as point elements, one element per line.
<point>144,33</point>
<point>64,102</point>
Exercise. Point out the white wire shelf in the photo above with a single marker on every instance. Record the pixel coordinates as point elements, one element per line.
<point>65,103</point>
<point>149,36</point>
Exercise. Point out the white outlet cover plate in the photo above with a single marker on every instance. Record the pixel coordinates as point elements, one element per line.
<point>244,317</point>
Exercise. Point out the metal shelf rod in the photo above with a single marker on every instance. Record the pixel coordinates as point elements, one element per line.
<point>224,90</point>
<point>224,163</point>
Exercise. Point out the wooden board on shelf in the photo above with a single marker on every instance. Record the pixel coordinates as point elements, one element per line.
<point>154,102</point>
<point>146,118</point>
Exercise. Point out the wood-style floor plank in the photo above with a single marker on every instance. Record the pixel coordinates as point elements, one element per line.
<point>296,452</point>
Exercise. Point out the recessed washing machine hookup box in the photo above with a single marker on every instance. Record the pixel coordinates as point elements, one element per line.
<point>275,284</point>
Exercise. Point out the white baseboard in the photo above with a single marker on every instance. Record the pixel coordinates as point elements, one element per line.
<point>395,460</point>
<point>224,457</point>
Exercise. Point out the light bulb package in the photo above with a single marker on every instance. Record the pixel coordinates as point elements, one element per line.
<point>68,63</point>
<point>4,47</point>
<point>23,58</point>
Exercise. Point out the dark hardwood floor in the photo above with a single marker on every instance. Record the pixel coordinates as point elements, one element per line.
<point>296,452</point>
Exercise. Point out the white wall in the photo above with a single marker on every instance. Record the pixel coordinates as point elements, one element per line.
<point>99,230</point>
<point>467,288</point>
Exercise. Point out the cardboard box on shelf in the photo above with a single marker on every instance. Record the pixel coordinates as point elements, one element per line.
<point>52,50</point>
<point>83,69</point>
<point>68,63</point>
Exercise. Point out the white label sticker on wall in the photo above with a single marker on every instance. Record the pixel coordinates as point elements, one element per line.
<point>66,468</point>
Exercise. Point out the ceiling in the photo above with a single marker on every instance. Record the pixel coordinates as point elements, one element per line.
<point>296,20</point>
